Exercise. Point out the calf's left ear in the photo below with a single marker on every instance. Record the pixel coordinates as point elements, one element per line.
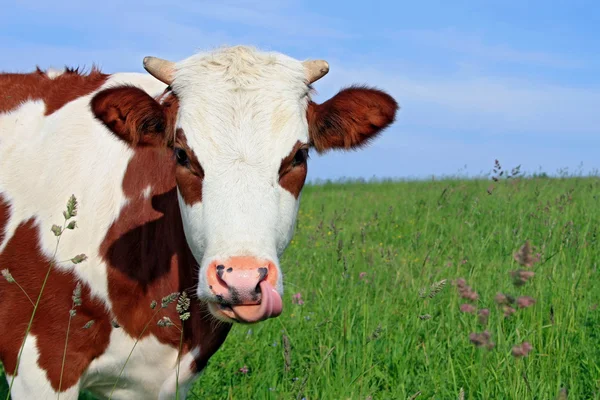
<point>350,119</point>
<point>132,115</point>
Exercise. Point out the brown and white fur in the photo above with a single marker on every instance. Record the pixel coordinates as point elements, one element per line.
<point>189,186</point>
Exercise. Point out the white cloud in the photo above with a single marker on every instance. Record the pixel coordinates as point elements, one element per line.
<point>487,105</point>
<point>400,152</point>
<point>287,17</point>
<point>477,48</point>
<point>283,17</point>
<point>440,109</point>
<point>119,34</point>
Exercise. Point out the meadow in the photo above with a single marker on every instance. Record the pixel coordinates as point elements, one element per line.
<point>426,290</point>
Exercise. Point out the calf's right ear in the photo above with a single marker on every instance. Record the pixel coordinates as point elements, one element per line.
<point>132,115</point>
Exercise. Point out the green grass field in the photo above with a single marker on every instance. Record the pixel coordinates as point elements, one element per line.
<point>363,260</point>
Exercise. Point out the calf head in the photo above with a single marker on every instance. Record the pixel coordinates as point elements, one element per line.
<point>240,124</point>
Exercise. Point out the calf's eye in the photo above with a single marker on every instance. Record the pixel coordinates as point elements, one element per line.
<point>300,157</point>
<point>182,157</point>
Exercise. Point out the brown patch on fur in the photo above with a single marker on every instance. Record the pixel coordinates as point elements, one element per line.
<point>292,177</point>
<point>350,119</point>
<point>16,89</point>
<point>146,251</point>
<point>189,178</point>
<point>213,335</point>
<point>140,120</point>
<point>29,266</point>
<point>149,258</point>
<point>133,115</point>
<point>142,246</point>
<point>4,215</point>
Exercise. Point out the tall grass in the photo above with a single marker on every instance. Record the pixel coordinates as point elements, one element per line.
<point>378,278</point>
<point>376,321</point>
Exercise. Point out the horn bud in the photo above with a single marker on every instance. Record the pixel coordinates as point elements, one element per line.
<point>315,69</point>
<point>163,70</point>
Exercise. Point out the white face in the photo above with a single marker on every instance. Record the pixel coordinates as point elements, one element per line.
<point>240,122</point>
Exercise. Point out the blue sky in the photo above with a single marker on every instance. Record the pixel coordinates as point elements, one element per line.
<point>476,80</point>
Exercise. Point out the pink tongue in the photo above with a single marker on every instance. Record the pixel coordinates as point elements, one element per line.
<point>270,306</point>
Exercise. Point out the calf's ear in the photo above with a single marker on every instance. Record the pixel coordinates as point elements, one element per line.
<point>350,119</point>
<point>132,115</point>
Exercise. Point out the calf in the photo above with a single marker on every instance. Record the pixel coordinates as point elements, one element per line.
<point>187,180</point>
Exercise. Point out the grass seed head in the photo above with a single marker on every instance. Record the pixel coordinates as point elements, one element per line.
<point>89,324</point>
<point>57,230</point>
<point>436,287</point>
<point>376,333</point>
<point>183,304</point>
<point>77,295</point>
<point>169,299</point>
<point>78,259</point>
<point>71,208</point>
<point>8,276</point>
<point>165,322</point>
<point>287,350</point>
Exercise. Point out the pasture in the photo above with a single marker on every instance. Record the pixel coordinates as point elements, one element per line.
<point>368,315</point>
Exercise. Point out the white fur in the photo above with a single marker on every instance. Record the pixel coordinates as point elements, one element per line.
<point>149,370</point>
<point>54,73</point>
<point>183,379</point>
<point>147,192</point>
<point>46,159</point>
<point>242,112</point>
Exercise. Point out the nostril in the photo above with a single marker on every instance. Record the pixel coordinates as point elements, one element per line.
<point>220,269</point>
<point>238,280</point>
<point>262,275</point>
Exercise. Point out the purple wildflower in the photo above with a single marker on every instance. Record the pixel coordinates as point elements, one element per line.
<point>525,301</point>
<point>482,339</point>
<point>297,299</point>
<point>508,311</point>
<point>466,292</point>
<point>483,316</point>
<point>467,308</point>
<point>521,350</point>
<point>501,299</point>
<point>520,277</point>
